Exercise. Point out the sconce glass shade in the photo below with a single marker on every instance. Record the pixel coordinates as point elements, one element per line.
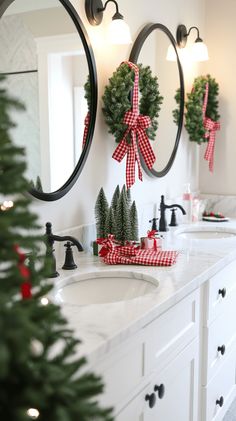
<point>199,51</point>
<point>118,32</point>
<point>171,54</point>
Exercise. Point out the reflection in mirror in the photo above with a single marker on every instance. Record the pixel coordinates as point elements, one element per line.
<point>46,66</point>
<point>150,48</point>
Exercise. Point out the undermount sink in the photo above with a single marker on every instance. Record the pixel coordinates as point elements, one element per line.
<point>105,287</point>
<point>205,233</point>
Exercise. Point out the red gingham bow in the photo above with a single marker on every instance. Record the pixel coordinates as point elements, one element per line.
<point>211,127</point>
<point>136,127</point>
<point>86,126</point>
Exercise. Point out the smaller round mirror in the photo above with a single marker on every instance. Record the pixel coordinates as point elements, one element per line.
<point>150,49</point>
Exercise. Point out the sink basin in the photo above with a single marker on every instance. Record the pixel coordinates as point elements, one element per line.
<point>205,233</point>
<point>105,287</point>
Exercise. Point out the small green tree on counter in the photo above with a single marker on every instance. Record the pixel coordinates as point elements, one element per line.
<point>115,198</point>
<point>40,376</point>
<point>123,225</point>
<point>134,222</point>
<point>101,211</point>
<point>110,225</point>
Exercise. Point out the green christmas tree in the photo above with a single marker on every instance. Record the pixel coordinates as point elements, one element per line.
<point>123,231</point>
<point>134,222</point>
<point>115,198</point>
<point>110,225</point>
<point>101,211</point>
<point>39,372</point>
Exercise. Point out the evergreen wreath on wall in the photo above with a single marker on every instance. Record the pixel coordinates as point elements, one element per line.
<point>194,115</point>
<point>117,100</point>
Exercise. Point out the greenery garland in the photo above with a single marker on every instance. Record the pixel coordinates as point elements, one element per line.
<point>117,99</point>
<point>193,116</point>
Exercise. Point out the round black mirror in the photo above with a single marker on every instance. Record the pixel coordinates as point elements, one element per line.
<point>150,48</point>
<point>46,56</point>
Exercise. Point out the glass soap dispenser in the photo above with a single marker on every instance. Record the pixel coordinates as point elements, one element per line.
<point>187,203</point>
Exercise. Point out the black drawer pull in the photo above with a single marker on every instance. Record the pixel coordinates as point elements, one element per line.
<point>151,399</point>
<point>222,292</point>
<point>220,401</point>
<point>221,349</point>
<point>160,390</point>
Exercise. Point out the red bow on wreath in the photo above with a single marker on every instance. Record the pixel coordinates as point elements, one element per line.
<point>137,125</point>
<point>211,128</point>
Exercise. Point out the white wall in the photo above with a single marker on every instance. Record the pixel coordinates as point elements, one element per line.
<point>77,207</point>
<point>220,38</point>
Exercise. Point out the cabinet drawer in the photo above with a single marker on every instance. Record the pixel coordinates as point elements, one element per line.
<point>169,334</point>
<point>219,341</point>
<point>219,290</point>
<point>221,386</point>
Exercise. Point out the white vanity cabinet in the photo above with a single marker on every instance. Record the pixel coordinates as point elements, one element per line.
<point>154,375</point>
<point>171,393</point>
<point>218,354</point>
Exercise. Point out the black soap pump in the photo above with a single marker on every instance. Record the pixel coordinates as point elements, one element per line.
<point>154,224</point>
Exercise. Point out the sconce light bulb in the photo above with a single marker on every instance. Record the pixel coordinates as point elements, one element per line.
<point>118,32</point>
<point>199,51</point>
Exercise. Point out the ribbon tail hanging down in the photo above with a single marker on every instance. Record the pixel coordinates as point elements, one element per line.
<point>211,127</point>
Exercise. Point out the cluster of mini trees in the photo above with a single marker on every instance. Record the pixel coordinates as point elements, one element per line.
<point>119,219</point>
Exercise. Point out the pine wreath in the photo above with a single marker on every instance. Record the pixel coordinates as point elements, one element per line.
<point>117,99</point>
<point>194,121</point>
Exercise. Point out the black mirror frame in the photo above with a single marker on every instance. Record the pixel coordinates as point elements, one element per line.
<point>141,38</point>
<point>4,4</point>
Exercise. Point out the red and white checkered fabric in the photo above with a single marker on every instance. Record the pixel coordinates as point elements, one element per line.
<point>205,100</point>
<point>131,255</point>
<point>211,127</point>
<point>142,257</point>
<point>137,125</point>
<point>86,126</point>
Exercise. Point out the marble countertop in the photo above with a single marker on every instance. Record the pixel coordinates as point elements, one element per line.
<point>101,327</point>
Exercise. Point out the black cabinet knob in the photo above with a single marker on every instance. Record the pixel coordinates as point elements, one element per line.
<point>160,390</point>
<point>151,400</point>
<point>221,349</point>
<point>220,401</point>
<point>222,292</point>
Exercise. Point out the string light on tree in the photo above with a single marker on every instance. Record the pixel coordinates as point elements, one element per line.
<point>6,205</point>
<point>33,413</point>
<point>44,301</point>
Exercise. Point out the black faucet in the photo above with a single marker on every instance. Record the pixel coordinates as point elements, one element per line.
<point>163,207</point>
<point>49,239</point>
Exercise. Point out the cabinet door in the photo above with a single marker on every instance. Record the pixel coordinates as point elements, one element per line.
<point>179,382</point>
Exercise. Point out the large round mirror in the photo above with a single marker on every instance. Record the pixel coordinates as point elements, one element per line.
<point>47,59</point>
<point>150,49</point>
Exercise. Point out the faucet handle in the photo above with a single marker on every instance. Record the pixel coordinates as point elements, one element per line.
<point>69,259</point>
<point>173,221</point>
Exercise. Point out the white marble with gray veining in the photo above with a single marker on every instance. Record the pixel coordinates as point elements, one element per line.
<point>103,326</point>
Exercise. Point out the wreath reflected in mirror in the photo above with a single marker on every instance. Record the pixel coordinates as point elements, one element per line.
<point>131,120</point>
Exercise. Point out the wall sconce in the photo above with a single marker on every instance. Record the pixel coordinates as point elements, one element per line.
<point>118,30</point>
<point>199,49</point>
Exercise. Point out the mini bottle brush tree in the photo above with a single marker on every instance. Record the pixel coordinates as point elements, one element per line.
<point>121,219</point>
<point>39,372</point>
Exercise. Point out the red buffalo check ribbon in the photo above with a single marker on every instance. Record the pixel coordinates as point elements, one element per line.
<point>86,126</point>
<point>211,127</point>
<point>137,125</point>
